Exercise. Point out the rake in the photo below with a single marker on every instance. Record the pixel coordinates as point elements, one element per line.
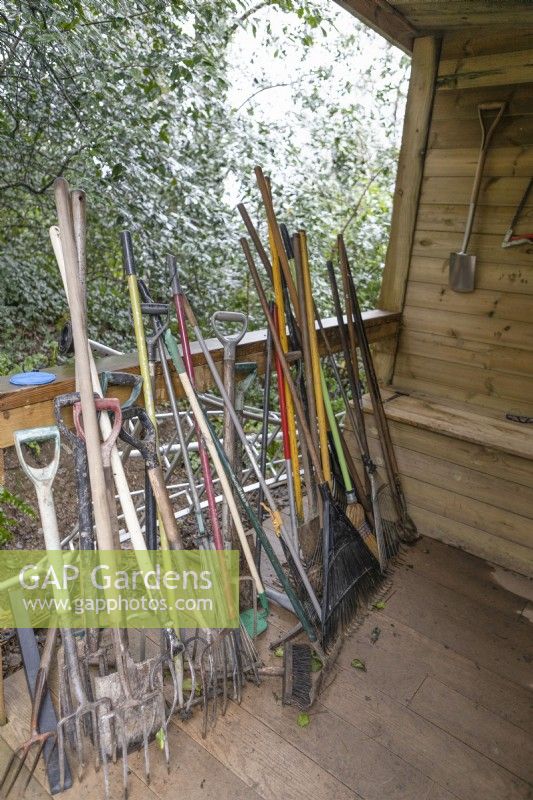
<point>350,571</point>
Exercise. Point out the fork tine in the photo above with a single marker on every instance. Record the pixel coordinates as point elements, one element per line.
<point>8,767</point>
<point>35,762</point>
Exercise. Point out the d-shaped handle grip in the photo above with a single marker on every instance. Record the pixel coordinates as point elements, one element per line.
<point>229,316</point>
<point>111,404</point>
<point>145,445</point>
<point>127,379</point>
<point>39,475</point>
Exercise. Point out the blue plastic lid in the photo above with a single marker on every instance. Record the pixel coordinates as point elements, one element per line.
<point>34,378</point>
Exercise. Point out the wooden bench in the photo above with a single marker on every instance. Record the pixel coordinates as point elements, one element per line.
<point>467,475</point>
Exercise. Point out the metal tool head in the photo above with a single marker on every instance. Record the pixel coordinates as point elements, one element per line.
<point>19,758</point>
<point>39,475</point>
<point>135,718</point>
<point>462,272</point>
<point>78,726</point>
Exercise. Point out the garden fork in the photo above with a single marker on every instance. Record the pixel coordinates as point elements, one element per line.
<point>42,479</point>
<point>36,740</point>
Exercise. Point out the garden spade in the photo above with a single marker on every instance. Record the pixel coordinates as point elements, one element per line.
<point>462,264</point>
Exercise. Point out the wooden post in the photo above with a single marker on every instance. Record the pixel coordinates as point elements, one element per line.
<point>406,195</point>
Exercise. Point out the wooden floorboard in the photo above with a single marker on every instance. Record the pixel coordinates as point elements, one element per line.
<point>479,728</point>
<point>398,663</point>
<point>444,710</point>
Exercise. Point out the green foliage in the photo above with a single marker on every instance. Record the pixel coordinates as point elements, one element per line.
<point>133,101</point>
<point>13,501</point>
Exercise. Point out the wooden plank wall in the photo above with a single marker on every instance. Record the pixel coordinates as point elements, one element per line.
<point>475,348</point>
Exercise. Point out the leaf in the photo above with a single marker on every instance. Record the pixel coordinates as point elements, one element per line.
<point>379,605</point>
<point>303,720</point>
<point>160,738</point>
<point>316,664</point>
<point>357,663</point>
<point>117,172</point>
<point>278,652</point>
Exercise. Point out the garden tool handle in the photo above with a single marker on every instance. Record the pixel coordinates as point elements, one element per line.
<point>60,402</point>
<point>281,398</point>
<point>39,476</point>
<point>148,450</point>
<point>78,202</point>
<point>108,379</point>
<point>179,304</point>
<point>487,134</point>
<point>154,309</point>
<point>41,678</point>
<point>85,516</point>
<point>128,260</point>
<point>287,242</point>
<point>119,475</point>
<point>229,339</point>
<point>304,428</point>
<point>147,445</point>
<point>83,366</point>
<point>266,196</point>
<point>486,137</point>
<point>102,404</point>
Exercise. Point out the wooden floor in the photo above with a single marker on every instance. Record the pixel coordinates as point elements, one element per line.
<point>444,709</point>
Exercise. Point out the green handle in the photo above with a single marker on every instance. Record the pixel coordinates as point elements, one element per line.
<point>335,434</point>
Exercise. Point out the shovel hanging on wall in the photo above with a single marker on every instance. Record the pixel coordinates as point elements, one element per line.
<point>463,265</point>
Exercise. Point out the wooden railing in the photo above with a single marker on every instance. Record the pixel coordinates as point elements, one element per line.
<point>28,407</point>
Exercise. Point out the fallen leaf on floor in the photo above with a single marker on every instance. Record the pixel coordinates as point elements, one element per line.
<point>316,664</point>
<point>376,633</point>
<point>379,605</point>
<point>358,664</point>
<point>303,720</point>
<point>160,738</point>
<point>278,652</point>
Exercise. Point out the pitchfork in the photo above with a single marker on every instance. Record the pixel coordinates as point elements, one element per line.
<point>36,739</point>
<point>42,479</point>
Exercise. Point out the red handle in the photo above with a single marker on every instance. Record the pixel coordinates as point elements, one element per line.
<point>101,404</point>
<point>282,397</point>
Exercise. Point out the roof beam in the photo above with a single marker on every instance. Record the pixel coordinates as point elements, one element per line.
<point>385,20</point>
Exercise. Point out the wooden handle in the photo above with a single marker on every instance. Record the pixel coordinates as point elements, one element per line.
<point>83,369</point>
<point>276,235</point>
<point>164,506</point>
<point>78,203</point>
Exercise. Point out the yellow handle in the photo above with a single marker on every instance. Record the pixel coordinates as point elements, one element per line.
<point>315,359</point>
<point>278,294</point>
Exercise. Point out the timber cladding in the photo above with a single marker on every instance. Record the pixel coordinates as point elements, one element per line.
<point>478,347</point>
<point>464,359</point>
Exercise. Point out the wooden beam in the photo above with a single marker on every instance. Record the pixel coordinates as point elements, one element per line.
<point>385,20</point>
<point>408,182</point>
<point>32,406</point>
<point>495,69</point>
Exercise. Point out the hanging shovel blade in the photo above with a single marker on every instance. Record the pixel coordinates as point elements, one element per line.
<point>462,272</point>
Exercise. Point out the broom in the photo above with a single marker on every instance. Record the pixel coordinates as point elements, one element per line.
<point>350,572</point>
<point>357,420</point>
